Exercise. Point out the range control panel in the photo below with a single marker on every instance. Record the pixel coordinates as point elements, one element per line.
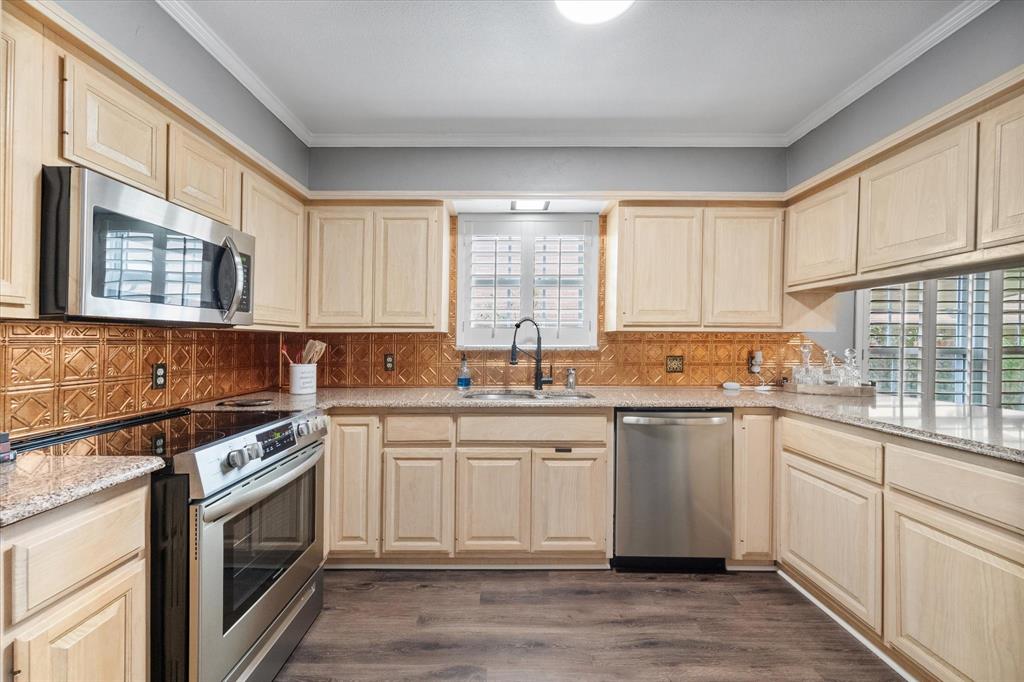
<point>277,439</point>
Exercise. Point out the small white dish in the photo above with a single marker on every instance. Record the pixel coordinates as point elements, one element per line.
<point>731,386</point>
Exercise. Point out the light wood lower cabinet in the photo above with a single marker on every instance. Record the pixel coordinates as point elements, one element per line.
<point>355,471</point>
<point>493,499</point>
<point>569,500</point>
<point>954,592</point>
<point>830,529</point>
<point>419,500</point>
<point>753,444</point>
<point>100,637</point>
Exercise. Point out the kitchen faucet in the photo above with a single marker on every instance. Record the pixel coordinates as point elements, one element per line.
<point>539,380</point>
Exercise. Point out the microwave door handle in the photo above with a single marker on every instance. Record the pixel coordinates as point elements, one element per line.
<point>236,296</point>
<point>242,501</point>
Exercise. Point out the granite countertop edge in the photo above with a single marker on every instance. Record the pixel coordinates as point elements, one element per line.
<point>121,470</point>
<point>608,398</point>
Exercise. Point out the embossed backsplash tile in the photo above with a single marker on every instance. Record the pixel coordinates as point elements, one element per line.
<point>56,376</point>
<point>621,358</point>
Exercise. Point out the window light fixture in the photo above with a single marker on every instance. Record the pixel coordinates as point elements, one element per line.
<point>592,11</point>
<point>530,205</point>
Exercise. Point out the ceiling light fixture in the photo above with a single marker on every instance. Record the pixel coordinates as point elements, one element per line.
<point>530,205</point>
<point>592,11</point>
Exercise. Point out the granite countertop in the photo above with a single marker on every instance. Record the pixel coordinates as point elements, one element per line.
<point>32,484</point>
<point>993,432</point>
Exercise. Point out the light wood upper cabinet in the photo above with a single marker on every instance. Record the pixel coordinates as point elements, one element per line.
<point>419,500</point>
<point>407,266</point>
<point>569,500</point>
<point>753,444</point>
<point>275,220</point>
<point>821,234</point>
<point>659,267</point>
<point>493,499</point>
<point>920,203</point>
<point>830,529</point>
<point>954,592</point>
<point>113,130</point>
<point>101,636</point>
<point>1001,174</point>
<point>355,471</point>
<point>202,177</point>
<point>742,267</point>
<point>340,267</point>
<point>21,72</point>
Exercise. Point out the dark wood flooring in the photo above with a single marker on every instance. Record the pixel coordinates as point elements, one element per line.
<point>583,625</point>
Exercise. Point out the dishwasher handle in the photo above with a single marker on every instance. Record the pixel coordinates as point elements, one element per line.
<point>674,421</point>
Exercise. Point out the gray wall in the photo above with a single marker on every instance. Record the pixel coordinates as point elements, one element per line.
<point>987,47</point>
<point>559,169</point>
<point>152,38</point>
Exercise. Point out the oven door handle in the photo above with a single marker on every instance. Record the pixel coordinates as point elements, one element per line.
<point>240,501</point>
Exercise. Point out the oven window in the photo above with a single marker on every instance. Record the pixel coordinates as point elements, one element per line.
<point>263,541</point>
<point>137,261</point>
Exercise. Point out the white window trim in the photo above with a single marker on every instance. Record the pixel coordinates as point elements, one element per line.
<point>532,224</point>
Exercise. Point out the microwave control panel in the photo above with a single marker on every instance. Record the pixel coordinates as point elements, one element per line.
<point>245,302</point>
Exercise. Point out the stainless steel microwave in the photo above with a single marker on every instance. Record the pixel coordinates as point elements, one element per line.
<point>111,251</point>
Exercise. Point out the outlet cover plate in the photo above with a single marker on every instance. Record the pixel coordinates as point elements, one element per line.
<point>159,376</point>
<point>389,362</point>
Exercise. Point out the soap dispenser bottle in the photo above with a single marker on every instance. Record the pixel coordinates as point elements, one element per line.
<point>463,382</point>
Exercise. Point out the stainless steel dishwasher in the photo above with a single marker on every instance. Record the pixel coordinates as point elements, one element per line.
<point>673,486</point>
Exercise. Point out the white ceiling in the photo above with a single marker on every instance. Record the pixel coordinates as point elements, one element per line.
<point>487,73</point>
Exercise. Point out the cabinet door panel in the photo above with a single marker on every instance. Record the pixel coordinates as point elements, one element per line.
<point>354,508</point>
<point>954,592</point>
<point>112,130</point>
<point>202,177</point>
<point>405,283</point>
<point>743,267</point>
<point>660,267</point>
<point>274,219</point>
<point>493,500</point>
<point>752,467</point>
<point>340,267</point>
<point>919,204</point>
<point>569,500</point>
<point>102,637</point>
<point>830,529</point>
<point>821,234</point>
<point>21,71</point>
<point>419,500</point>
<point>1001,174</point>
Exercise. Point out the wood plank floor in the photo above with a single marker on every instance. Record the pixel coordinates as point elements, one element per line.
<point>583,625</point>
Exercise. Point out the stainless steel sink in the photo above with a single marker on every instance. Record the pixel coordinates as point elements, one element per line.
<point>511,394</point>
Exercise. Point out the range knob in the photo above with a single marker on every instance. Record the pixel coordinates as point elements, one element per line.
<point>237,459</point>
<point>303,428</point>
<point>253,451</point>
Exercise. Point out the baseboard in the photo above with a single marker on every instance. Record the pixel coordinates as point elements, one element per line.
<point>370,566</point>
<point>884,657</point>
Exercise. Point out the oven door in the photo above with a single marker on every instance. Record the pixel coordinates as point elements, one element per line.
<point>254,548</point>
<point>132,255</point>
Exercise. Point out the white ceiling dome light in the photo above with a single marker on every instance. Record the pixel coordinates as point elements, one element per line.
<point>592,11</point>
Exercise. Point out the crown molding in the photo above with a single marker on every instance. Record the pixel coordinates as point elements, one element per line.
<point>546,140</point>
<point>956,19</point>
<point>181,12</point>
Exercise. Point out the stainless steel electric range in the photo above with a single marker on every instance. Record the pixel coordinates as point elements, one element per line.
<point>237,534</point>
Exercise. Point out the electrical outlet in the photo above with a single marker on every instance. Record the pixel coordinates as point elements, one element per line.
<point>674,364</point>
<point>389,362</point>
<point>159,378</point>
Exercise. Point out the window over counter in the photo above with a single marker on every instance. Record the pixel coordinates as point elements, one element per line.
<point>958,339</point>
<point>539,266</point>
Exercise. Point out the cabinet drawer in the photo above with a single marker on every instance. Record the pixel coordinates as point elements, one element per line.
<point>547,428</point>
<point>73,546</point>
<point>857,455</point>
<point>418,428</point>
<point>987,493</point>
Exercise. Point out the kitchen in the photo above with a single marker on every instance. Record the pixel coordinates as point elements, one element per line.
<point>324,372</point>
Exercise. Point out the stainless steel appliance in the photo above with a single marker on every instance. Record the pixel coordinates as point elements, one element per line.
<point>237,534</point>
<point>673,486</point>
<point>111,251</point>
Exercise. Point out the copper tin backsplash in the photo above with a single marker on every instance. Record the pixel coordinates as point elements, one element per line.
<point>622,358</point>
<point>61,375</point>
